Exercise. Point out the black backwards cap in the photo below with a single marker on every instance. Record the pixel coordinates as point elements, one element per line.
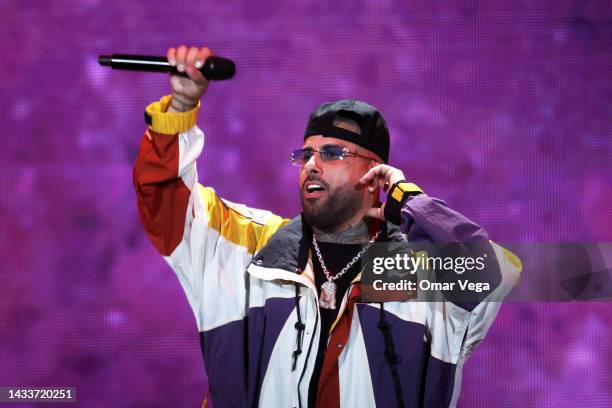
<point>373,133</point>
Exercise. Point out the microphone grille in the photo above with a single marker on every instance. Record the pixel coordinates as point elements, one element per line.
<point>218,68</point>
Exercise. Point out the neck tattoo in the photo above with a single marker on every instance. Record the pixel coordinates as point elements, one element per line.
<point>357,234</point>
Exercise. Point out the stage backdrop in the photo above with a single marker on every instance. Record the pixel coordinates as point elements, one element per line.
<point>501,108</point>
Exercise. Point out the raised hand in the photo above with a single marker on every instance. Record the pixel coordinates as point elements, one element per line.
<point>187,91</point>
<point>381,176</point>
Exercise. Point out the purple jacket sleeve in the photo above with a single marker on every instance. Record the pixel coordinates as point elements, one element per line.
<point>427,218</point>
<point>429,225</point>
<point>445,232</point>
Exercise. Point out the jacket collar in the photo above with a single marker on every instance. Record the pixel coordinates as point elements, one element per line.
<point>288,249</point>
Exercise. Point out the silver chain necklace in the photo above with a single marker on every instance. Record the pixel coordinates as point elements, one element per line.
<point>328,289</point>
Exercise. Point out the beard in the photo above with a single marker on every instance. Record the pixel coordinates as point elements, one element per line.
<point>333,209</point>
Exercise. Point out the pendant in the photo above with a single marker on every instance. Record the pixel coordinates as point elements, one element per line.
<point>328,295</point>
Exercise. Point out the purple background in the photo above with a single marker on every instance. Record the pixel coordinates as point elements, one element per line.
<point>502,108</point>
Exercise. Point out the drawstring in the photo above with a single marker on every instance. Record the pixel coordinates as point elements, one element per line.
<point>299,326</point>
<point>302,259</point>
<point>390,356</point>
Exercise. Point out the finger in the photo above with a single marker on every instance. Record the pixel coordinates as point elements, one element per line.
<point>190,58</point>
<point>374,175</point>
<point>171,56</point>
<point>376,213</point>
<point>384,171</point>
<point>385,177</point>
<point>180,58</point>
<point>203,54</point>
<point>378,183</point>
<point>195,75</point>
<point>368,177</point>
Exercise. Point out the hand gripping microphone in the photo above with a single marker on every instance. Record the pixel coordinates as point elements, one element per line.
<point>215,68</point>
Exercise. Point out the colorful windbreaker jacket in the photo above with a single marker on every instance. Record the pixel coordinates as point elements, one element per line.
<point>248,277</point>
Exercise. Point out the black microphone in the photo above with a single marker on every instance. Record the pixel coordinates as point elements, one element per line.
<point>215,68</point>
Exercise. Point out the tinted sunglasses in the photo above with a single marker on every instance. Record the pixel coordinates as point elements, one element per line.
<point>329,153</point>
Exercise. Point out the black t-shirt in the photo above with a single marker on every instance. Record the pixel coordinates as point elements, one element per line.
<point>336,257</point>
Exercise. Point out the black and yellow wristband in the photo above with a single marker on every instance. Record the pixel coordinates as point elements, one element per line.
<point>397,196</point>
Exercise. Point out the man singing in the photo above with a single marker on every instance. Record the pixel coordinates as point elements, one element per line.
<point>278,302</point>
